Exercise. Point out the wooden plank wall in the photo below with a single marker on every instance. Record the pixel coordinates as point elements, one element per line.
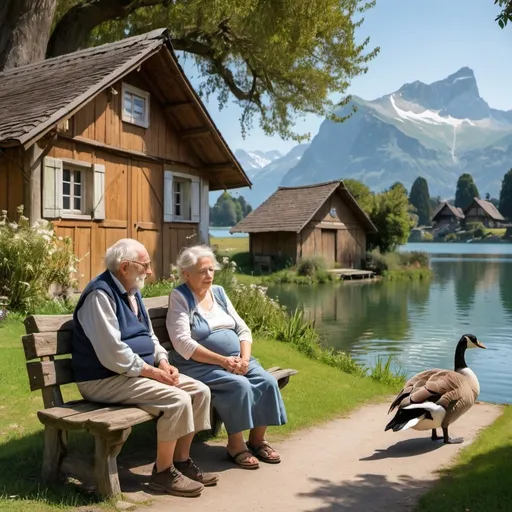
<point>274,244</point>
<point>11,181</point>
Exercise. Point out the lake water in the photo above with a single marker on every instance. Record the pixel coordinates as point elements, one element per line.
<point>420,323</point>
<point>224,233</point>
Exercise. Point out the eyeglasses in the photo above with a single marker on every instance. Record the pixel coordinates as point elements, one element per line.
<point>146,266</point>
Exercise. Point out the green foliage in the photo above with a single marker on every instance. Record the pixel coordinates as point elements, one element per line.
<point>391,218</point>
<point>466,191</point>
<point>31,259</point>
<point>389,212</point>
<point>506,13</point>
<point>505,204</point>
<point>310,266</point>
<point>277,60</point>
<point>399,265</point>
<point>420,199</point>
<point>229,210</point>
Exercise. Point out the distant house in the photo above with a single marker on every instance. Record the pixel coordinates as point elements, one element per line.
<point>112,142</point>
<point>316,220</point>
<point>484,212</point>
<point>447,217</point>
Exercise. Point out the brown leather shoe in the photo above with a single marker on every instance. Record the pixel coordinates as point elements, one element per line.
<point>190,470</point>
<point>173,482</point>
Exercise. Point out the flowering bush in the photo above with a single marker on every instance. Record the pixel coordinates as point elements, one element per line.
<point>31,259</point>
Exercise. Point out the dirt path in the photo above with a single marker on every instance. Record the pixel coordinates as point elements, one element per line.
<point>345,465</point>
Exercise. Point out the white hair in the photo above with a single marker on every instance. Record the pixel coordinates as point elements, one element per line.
<point>123,250</point>
<point>189,256</point>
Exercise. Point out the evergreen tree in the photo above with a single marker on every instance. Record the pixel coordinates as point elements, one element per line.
<point>228,211</point>
<point>420,199</point>
<point>466,191</point>
<point>505,205</point>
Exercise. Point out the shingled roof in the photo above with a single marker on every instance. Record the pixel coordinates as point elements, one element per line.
<point>291,208</point>
<point>456,212</point>
<point>35,98</point>
<point>488,208</point>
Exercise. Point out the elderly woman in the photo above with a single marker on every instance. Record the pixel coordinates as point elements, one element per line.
<point>213,345</point>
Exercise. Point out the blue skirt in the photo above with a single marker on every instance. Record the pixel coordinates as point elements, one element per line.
<point>242,401</point>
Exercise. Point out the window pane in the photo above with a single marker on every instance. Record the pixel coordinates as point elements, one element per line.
<point>78,190</point>
<point>66,188</point>
<point>66,175</point>
<point>177,210</point>
<point>138,107</point>
<point>65,202</point>
<point>78,203</point>
<point>128,103</point>
<point>78,177</point>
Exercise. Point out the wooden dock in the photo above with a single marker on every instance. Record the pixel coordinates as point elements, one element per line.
<point>352,273</point>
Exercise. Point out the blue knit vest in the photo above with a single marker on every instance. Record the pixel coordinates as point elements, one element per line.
<point>134,331</point>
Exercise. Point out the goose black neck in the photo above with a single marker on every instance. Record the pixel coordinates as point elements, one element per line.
<point>460,351</point>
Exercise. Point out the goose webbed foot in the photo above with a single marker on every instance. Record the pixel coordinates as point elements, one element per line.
<point>451,440</point>
<point>435,437</point>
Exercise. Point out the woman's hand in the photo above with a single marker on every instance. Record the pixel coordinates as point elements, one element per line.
<point>230,363</point>
<point>242,367</point>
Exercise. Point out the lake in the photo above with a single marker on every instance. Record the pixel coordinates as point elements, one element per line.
<point>421,322</point>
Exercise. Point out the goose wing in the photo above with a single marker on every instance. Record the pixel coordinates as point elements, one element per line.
<point>442,387</point>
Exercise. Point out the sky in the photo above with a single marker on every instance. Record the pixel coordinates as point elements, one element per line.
<point>424,40</point>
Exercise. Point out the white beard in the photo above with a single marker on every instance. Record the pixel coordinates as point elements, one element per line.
<point>139,281</point>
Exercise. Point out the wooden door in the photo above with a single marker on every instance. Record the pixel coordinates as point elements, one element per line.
<point>329,246</point>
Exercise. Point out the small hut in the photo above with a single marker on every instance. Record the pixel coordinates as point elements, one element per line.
<point>309,221</point>
<point>484,212</point>
<point>447,216</point>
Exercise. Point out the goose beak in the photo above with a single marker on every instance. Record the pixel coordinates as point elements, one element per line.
<point>480,344</point>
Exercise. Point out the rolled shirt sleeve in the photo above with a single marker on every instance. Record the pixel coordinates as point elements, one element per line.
<point>99,322</point>
<point>178,325</point>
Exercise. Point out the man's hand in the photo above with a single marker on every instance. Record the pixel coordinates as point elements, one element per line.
<point>163,376</point>
<point>172,371</point>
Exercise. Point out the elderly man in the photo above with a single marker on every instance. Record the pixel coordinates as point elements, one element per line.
<point>118,359</point>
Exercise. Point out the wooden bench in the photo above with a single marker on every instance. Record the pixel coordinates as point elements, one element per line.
<point>48,336</point>
<point>263,262</point>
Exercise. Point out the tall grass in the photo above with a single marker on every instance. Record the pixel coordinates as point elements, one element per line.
<point>31,259</point>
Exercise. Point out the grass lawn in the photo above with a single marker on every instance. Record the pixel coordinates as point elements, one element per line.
<point>479,481</point>
<point>332,392</point>
<point>230,245</point>
<point>495,231</point>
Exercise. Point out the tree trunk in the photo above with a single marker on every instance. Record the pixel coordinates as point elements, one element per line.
<point>26,27</point>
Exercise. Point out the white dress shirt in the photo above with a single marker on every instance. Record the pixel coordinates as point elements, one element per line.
<point>178,322</point>
<point>98,319</point>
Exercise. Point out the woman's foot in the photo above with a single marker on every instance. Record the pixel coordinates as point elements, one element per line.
<point>240,455</point>
<point>264,451</point>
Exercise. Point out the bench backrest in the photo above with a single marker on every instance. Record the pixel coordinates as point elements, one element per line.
<point>48,336</point>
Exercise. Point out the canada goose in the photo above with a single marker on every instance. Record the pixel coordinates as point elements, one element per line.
<point>436,398</point>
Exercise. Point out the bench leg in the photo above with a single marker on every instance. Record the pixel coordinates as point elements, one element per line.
<point>54,453</point>
<point>107,448</point>
<point>215,421</point>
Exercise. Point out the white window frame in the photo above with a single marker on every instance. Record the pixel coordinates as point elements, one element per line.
<point>93,189</point>
<point>192,202</point>
<point>84,186</point>
<point>128,118</point>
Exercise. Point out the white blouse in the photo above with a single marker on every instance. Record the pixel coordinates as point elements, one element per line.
<point>178,322</point>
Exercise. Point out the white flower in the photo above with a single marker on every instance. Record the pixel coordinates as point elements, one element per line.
<point>72,269</point>
<point>13,225</point>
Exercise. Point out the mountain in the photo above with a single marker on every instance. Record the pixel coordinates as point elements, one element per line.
<point>265,179</point>
<point>251,160</point>
<point>437,131</point>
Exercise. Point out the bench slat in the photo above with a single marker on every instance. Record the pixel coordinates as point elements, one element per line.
<point>94,417</point>
<point>156,306</point>
<point>42,374</point>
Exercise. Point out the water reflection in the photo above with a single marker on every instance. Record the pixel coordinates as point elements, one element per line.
<point>421,322</point>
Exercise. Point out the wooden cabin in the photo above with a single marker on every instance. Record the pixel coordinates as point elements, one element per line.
<point>315,220</point>
<point>112,142</point>
<point>484,212</point>
<point>447,217</point>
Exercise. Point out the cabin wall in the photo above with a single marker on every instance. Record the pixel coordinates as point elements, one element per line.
<point>12,183</point>
<point>336,224</point>
<point>476,214</point>
<point>279,244</point>
<point>133,208</point>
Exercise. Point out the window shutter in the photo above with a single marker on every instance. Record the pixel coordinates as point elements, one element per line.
<point>98,196</point>
<point>195,199</point>
<point>52,187</point>
<point>168,196</point>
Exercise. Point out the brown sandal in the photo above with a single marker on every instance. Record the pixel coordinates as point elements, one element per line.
<point>240,459</point>
<point>263,452</point>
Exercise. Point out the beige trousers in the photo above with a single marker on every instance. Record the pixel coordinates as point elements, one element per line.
<point>181,409</point>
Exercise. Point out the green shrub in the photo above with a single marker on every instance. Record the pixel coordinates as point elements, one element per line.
<point>309,266</point>
<point>31,259</point>
<point>451,237</point>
